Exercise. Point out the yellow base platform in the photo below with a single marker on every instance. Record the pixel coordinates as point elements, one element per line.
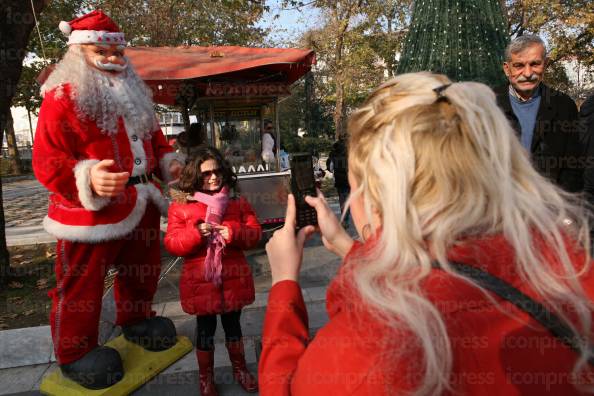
<point>140,366</point>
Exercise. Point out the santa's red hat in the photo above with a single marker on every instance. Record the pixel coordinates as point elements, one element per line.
<point>93,28</point>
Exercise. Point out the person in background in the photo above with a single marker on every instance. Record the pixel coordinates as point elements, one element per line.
<point>473,274</point>
<point>284,159</point>
<point>337,164</point>
<point>587,128</point>
<point>545,120</point>
<point>192,140</point>
<point>211,228</point>
<point>319,173</point>
<point>268,142</point>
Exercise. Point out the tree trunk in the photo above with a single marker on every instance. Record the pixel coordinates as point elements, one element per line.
<point>339,111</point>
<point>311,131</point>
<point>13,151</point>
<point>16,24</point>
<point>30,126</point>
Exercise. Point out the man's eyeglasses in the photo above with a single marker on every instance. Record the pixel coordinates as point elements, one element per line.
<point>207,174</point>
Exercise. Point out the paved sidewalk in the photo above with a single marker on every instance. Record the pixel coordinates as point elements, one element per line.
<point>25,206</point>
<point>27,378</point>
<point>26,355</point>
<point>31,349</point>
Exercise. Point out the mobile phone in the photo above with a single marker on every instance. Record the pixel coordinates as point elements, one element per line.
<point>303,183</point>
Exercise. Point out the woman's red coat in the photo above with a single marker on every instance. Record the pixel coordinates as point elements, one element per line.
<point>496,350</point>
<point>198,295</point>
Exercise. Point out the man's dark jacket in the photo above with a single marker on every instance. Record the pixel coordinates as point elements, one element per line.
<point>556,149</point>
<point>587,126</point>
<point>337,159</point>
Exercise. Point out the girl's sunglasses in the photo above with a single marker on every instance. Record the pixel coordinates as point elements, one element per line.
<point>207,174</point>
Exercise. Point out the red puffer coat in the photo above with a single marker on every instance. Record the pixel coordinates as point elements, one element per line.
<point>199,296</point>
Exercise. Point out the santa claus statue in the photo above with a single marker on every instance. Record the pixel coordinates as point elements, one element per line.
<point>98,149</point>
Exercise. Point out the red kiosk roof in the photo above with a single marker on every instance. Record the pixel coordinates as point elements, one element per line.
<point>179,63</point>
<point>167,69</point>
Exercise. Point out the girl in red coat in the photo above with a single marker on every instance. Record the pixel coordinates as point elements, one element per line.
<point>473,274</point>
<point>211,228</point>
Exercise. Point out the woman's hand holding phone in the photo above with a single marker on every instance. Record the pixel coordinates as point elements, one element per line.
<point>285,248</point>
<point>334,237</point>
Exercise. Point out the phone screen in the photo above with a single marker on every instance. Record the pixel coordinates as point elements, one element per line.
<point>302,184</point>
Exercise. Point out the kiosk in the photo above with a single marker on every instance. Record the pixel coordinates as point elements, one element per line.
<point>234,93</point>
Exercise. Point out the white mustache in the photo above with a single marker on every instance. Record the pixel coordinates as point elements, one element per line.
<point>111,66</point>
<point>532,78</point>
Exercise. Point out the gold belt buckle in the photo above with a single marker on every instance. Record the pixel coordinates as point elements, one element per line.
<point>144,178</point>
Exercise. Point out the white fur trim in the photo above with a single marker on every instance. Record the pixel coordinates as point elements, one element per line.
<point>96,37</point>
<point>88,199</point>
<point>107,232</point>
<point>65,28</point>
<point>97,233</point>
<point>166,161</point>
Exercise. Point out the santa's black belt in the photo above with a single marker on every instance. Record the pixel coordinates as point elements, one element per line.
<point>132,180</point>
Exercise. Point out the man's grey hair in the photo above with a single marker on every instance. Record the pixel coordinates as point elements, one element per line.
<point>520,43</point>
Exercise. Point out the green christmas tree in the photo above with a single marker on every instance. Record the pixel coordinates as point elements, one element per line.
<point>463,39</point>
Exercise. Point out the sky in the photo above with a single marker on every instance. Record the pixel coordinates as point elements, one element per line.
<point>287,24</point>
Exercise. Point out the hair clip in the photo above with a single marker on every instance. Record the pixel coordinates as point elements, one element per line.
<point>439,92</point>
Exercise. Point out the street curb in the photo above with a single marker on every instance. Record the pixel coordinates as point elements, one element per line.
<point>12,179</point>
<point>33,345</point>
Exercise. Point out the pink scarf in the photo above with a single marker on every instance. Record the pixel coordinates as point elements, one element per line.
<point>216,207</point>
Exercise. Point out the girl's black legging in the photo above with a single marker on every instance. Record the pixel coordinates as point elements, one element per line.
<point>206,326</point>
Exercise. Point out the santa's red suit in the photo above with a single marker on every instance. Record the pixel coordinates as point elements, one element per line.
<point>95,233</point>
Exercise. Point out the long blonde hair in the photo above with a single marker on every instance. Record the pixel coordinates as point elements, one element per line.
<point>437,172</point>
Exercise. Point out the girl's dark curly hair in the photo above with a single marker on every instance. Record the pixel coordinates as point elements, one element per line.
<point>190,180</point>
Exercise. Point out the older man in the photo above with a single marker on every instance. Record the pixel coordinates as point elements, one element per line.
<point>545,119</point>
<point>98,147</point>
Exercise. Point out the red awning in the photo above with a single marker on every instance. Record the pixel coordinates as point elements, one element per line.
<point>167,69</point>
<point>181,63</point>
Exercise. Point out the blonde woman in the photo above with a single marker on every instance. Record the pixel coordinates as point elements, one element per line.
<point>473,273</point>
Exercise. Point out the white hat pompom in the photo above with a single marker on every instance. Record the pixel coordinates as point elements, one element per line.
<point>65,28</point>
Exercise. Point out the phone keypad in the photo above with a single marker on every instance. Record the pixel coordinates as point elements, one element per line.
<point>306,216</point>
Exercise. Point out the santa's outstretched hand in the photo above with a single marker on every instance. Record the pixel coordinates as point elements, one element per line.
<point>105,183</point>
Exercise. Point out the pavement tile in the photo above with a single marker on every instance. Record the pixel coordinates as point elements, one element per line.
<point>316,293</point>
<point>25,347</point>
<point>260,302</point>
<point>21,379</point>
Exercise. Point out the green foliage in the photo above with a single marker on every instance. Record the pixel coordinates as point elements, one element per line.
<point>295,110</point>
<point>54,42</point>
<point>310,144</point>
<point>568,26</point>
<point>316,145</point>
<point>350,61</point>
<point>463,39</point>
<point>27,94</point>
<point>187,22</point>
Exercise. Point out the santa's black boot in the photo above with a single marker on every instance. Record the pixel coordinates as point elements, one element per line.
<point>100,368</point>
<point>153,334</point>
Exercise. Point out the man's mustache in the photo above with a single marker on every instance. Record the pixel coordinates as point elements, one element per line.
<point>111,66</point>
<point>531,78</point>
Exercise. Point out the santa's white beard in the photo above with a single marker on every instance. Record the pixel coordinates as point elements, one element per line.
<point>104,97</point>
